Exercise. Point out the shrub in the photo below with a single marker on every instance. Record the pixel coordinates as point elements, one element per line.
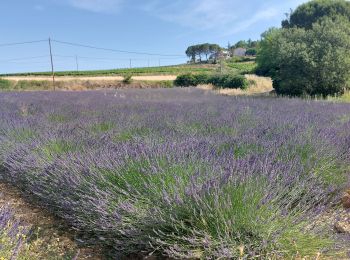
<point>202,78</point>
<point>127,78</point>
<point>236,81</point>
<point>229,81</point>
<point>251,52</point>
<point>218,80</point>
<point>5,84</point>
<point>186,80</point>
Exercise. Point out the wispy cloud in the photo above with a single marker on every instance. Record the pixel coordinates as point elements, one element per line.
<point>225,16</point>
<point>109,6</point>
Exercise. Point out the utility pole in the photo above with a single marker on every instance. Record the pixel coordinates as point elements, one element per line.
<point>159,62</point>
<point>52,70</point>
<point>148,63</point>
<point>76,60</point>
<point>130,63</point>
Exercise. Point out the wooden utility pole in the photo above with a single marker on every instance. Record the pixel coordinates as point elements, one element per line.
<point>130,64</point>
<point>52,70</point>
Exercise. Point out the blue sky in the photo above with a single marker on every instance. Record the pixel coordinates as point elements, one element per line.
<point>152,26</point>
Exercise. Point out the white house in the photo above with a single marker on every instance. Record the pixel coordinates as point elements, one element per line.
<point>240,52</point>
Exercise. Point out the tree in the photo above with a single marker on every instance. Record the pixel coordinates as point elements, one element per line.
<point>312,61</point>
<point>202,49</point>
<point>190,52</point>
<point>206,50</point>
<point>251,52</point>
<point>241,44</point>
<point>267,53</point>
<point>309,13</point>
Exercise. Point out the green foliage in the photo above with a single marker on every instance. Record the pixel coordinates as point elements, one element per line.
<point>266,62</point>
<point>102,127</point>
<point>246,44</point>
<point>229,81</point>
<point>307,62</point>
<point>33,85</point>
<point>57,118</point>
<point>56,147</point>
<point>186,80</point>
<point>251,52</point>
<point>202,49</point>
<point>127,78</point>
<point>177,69</point>
<point>311,12</point>
<point>5,84</point>
<point>218,80</point>
<point>243,67</point>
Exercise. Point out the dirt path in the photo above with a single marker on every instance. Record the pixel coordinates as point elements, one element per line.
<point>93,78</point>
<point>52,234</point>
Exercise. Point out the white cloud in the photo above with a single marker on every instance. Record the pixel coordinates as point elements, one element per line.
<point>108,6</point>
<point>225,16</point>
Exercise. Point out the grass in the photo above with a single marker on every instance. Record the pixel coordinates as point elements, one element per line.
<point>121,72</point>
<point>232,65</point>
<point>243,67</point>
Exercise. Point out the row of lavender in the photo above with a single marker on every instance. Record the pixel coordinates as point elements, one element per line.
<point>182,173</point>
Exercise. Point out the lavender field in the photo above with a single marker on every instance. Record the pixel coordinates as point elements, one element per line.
<point>180,172</point>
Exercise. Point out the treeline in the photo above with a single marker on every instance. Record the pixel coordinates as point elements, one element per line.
<point>214,51</point>
<point>310,54</point>
<point>205,49</point>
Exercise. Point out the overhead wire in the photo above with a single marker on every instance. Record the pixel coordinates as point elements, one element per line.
<point>116,50</point>
<point>20,43</point>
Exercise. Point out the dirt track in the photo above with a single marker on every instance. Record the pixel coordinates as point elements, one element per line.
<point>97,78</point>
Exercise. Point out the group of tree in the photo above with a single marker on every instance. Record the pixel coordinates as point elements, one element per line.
<point>310,54</point>
<point>199,50</point>
<point>208,50</point>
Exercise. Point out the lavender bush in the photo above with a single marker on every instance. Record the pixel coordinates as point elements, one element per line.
<point>180,172</point>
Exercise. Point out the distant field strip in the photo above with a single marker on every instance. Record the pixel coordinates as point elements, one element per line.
<point>92,78</point>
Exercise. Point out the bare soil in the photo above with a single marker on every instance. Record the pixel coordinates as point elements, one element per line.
<point>52,231</point>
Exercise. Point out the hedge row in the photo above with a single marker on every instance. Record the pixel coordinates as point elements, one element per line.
<point>218,80</point>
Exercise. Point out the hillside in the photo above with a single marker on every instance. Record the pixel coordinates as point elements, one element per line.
<point>229,65</point>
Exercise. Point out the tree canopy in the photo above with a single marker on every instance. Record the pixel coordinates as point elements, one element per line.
<point>205,49</point>
<point>310,60</point>
<point>309,13</point>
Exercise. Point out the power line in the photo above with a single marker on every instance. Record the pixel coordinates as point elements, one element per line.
<point>21,43</point>
<point>24,58</point>
<point>112,59</point>
<point>115,50</point>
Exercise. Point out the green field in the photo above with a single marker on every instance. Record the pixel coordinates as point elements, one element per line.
<point>178,69</point>
<point>233,66</point>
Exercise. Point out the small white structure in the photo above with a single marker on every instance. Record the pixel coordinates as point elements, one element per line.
<point>239,52</point>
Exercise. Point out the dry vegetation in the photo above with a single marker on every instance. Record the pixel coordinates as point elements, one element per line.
<point>258,86</point>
